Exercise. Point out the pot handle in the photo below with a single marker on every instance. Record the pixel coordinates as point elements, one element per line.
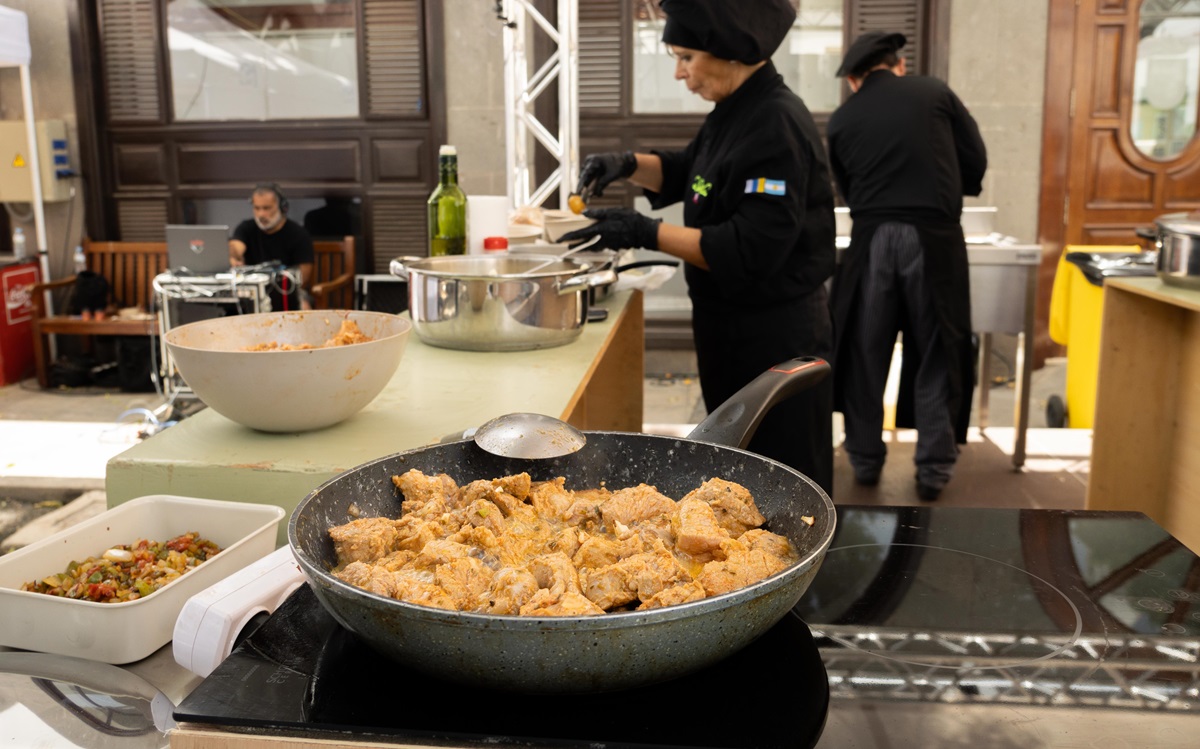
<point>647,264</point>
<point>1146,232</point>
<point>585,281</point>
<point>734,422</point>
<point>399,266</point>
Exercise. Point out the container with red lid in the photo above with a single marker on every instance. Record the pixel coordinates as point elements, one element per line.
<point>495,244</point>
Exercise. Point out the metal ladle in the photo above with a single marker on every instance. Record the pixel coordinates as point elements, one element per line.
<point>529,435</point>
<point>562,256</point>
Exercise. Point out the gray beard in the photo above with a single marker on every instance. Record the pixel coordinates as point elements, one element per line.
<point>269,225</point>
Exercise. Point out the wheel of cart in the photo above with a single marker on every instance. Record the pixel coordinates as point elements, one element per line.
<point>1056,412</point>
<point>1076,309</point>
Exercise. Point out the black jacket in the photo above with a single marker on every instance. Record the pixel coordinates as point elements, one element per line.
<point>756,182</point>
<point>906,149</point>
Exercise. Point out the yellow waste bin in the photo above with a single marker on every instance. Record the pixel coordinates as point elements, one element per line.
<point>1076,309</point>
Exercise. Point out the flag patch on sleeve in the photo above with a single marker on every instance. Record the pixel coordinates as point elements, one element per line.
<point>768,186</point>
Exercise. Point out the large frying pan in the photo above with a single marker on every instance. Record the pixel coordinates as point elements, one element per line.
<point>594,653</point>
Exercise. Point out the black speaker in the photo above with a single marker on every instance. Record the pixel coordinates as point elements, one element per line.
<point>381,293</point>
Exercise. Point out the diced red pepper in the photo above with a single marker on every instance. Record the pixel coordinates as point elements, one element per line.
<point>100,591</point>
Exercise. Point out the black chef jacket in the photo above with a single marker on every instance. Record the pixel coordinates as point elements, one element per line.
<point>904,148</point>
<point>755,181</point>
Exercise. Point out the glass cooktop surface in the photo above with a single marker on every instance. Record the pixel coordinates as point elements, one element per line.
<point>931,626</point>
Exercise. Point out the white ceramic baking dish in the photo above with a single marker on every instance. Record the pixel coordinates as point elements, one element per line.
<point>125,632</point>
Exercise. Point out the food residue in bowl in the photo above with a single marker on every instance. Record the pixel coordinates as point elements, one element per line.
<point>349,333</point>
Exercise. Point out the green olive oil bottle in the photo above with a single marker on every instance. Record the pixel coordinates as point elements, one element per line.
<point>447,208</point>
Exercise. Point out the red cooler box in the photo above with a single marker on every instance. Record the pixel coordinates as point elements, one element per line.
<point>16,336</point>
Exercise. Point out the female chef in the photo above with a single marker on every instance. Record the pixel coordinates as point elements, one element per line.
<point>758,233</point>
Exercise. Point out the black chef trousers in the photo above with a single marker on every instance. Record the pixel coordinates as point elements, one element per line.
<point>736,344</point>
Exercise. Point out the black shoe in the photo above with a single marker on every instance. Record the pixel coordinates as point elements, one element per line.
<point>928,492</point>
<point>867,475</point>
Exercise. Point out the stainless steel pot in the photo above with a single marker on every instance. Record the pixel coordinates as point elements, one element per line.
<point>1177,238</point>
<point>591,653</point>
<point>495,303</point>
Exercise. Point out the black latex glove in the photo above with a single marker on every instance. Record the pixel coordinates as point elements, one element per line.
<point>602,169</point>
<point>618,229</point>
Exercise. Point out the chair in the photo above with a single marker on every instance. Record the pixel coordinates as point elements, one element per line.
<point>333,274</point>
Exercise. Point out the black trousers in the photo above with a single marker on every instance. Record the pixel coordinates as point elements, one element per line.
<point>735,345</point>
<point>894,294</point>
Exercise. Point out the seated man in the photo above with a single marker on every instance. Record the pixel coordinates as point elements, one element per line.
<point>269,237</point>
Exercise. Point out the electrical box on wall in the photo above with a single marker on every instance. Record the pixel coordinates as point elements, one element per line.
<point>54,160</point>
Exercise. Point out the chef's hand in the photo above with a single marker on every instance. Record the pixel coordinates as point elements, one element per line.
<point>618,229</point>
<point>602,169</point>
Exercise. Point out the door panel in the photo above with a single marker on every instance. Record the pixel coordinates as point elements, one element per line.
<point>1111,185</point>
<point>1097,187</point>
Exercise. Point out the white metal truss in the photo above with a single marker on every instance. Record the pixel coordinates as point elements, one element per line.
<point>1112,671</point>
<point>523,86</point>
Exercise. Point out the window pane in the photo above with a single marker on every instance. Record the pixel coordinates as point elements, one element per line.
<point>807,59</point>
<point>262,60</point>
<point>1166,77</point>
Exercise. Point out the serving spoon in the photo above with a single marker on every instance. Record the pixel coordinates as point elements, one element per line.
<point>529,435</point>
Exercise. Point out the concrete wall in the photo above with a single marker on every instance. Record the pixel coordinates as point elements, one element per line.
<point>53,99</point>
<point>1000,76</point>
<point>475,95</point>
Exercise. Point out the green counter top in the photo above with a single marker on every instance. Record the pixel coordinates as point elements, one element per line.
<point>435,392</point>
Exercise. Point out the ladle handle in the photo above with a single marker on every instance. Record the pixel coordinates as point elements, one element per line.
<point>564,255</point>
<point>735,421</point>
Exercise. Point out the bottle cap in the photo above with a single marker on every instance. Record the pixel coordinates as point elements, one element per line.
<point>493,244</point>
<point>447,151</point>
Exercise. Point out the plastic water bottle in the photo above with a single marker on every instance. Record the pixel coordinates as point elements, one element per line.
<point>80,260</point>
<point>19,251</point>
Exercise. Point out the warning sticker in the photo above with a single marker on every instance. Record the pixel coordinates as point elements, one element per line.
<point>18,161</point>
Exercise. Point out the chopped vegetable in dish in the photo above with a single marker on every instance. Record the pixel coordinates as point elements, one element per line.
<point>127,572</point>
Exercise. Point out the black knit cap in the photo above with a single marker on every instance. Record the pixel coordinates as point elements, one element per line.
<point>748,31</point>
<point>868,50</point>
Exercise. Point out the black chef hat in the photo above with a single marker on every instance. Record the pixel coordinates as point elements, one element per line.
<point>868,50</point>
<point>748,31</point>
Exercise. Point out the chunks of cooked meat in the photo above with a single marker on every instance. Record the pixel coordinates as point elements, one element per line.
<point>512,546</point>
<point>731,503</point>
<point>697,530</point>
<point>364,540</point>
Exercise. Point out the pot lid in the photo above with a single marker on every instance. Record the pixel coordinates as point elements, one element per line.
<point>1180,223</point>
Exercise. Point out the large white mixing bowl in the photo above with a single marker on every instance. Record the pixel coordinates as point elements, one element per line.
<point>288,391</point>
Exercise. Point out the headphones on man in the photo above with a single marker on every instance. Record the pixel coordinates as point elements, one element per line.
<point>279,196</point>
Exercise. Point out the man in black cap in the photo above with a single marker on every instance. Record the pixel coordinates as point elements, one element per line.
<point>758,234</point>
<point>904,151</point>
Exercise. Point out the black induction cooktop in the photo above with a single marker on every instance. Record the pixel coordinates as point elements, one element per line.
<point>932,626</point>
<point>301,671</point>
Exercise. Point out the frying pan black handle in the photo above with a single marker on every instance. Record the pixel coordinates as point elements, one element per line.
<point>734,422</point>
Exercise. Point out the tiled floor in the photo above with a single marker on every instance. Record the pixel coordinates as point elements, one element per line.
<point>1054,474</point>
<point>56,444</point>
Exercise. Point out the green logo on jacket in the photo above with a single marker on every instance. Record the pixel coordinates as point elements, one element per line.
<point>700,186</point>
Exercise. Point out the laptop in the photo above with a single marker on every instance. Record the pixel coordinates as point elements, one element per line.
<point>199,249</point>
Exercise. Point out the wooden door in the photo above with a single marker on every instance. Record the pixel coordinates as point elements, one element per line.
<point>1113,188</point>
<point>1097,187</point>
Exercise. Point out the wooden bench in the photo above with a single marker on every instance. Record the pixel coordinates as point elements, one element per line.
<point>130,268</point>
